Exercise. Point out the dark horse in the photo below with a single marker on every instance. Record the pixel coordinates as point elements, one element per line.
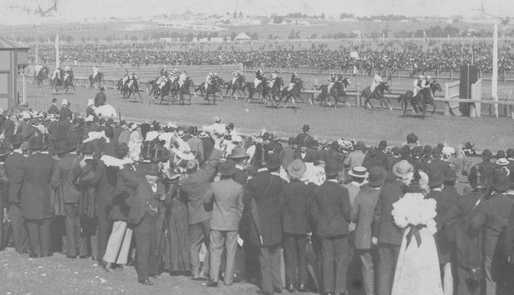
<point>263,89</point>
<point>210,89</point>
<point>236,85</point>
<point>126,90</point>
<point>96,81</point>
<point>335,91</point>
<point>378,94</point>
<point>423,98</point>
<point>293,91</point>
<point>64,79</point>
<point>182,90</point>
<point>41,75</point>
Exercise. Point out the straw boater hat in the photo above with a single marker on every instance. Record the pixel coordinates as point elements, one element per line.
<point>296,169</point>
<point>403,169</point>
<point>359,172</point>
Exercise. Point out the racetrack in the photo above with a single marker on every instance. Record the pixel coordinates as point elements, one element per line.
<point>370,126</point>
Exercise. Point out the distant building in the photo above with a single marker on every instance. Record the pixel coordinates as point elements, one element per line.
<point>242,37</point>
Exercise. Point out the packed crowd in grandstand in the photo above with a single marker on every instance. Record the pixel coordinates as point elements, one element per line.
<point>393,56</point>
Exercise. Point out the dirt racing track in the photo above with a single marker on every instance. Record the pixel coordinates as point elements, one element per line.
<point>370,126</point>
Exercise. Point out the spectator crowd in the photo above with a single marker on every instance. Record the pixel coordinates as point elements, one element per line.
<point>221,207</point>
<point>367,57</point>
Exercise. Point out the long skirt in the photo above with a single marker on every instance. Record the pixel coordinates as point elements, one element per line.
<point>177,256</point>
<point>417,269</point>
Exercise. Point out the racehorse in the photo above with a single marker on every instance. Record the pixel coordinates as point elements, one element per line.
<point>207,89</point>
<point>126,90</point>
<point>41,75</point>
<point>64,79</point>
<point>377,94</point>
<point>293,91</point>
<point>96,81</point>
<point>263,89</point>
<point>335,90</point>
<point>236,85</point>
<point>185,89</point>
<point>423,98</point>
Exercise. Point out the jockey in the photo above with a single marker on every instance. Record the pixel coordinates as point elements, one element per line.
<point>126,77</point>
<point>37,69</point>
<point>332,78</point>
<point>376,81</point>
<point>95,72</point>
<point>259,78</point>
<point>209,79</point>
<point>57,73</point>
<point>292,82</point>
<point>182,78</point>
<point>419,84</point>
<point>133,80</point>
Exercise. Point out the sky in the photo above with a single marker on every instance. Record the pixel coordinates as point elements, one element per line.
<point>77,9</point>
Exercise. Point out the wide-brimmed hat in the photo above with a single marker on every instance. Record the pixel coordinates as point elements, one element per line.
<point>296,169</point>
<point>359,172</point>
<point>377,176</point>
<point>238,153</point>
<point>403,169</point>
<point>226,168</point>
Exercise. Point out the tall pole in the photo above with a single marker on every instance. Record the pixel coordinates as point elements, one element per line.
<point>494,80</point>
<point>57,59</point>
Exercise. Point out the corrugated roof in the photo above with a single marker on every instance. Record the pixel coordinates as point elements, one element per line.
<point>8,44</point>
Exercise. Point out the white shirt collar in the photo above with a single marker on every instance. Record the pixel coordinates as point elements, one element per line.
<point>333,180</point>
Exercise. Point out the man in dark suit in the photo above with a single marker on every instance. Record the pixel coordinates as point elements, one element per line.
<point>492,218</point>
<point>469,243</point>
<point>36,205</point>
<point>142,215</point>
<point>331,211</point>
<point>53,109</point>
<point>65,114</point>
<point>67,169</point>
<point>98,181</point>
<point>296,225</point>
<point>14,170</point>
<point>265,193</point>
<point>194,188</point>
<point>385,232</point>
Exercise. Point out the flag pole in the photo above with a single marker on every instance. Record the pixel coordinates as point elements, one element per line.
<point>57,57</point>
<point>494,79</point>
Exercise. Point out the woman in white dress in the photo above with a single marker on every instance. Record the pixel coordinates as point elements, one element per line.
<point>417,269</point>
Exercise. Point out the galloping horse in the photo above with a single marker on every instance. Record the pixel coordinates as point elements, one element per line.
<point>423,98</point>
<point>126,90</point>
<point>64,79</point>
<point>96,81</point>
<point>184,89</point>
<point>236,84</point>
<point>377,94</point>
<point>207,89</point>
<point>293,91</point>
<point>335,90</point>
<point>41,75</point>
<point>263,89</point>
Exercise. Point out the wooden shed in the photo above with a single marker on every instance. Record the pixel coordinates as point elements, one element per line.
<point>13,59</point>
